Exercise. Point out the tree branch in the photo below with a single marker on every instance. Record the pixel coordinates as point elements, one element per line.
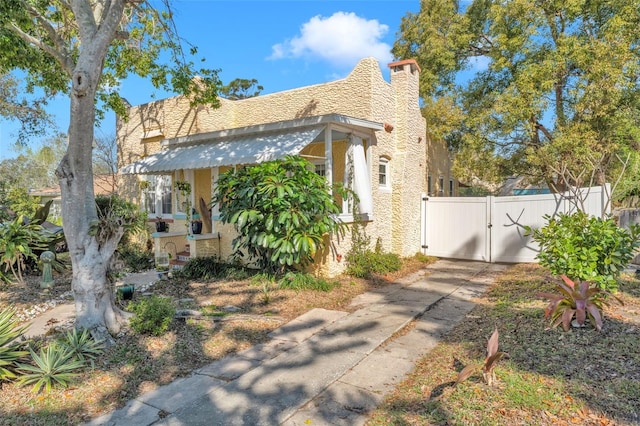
<point>85,18</point>
<point>547,134</point>
<point>62,59</point>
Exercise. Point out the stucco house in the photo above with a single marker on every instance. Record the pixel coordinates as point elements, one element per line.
<point>360,130</point>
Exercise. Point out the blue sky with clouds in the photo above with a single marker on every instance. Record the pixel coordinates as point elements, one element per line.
<point>283,44</point>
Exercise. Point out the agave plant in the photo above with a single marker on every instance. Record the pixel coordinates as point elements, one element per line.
<point>576,299</point>
<point>490,361</point>
<point>81,344</point>
<point>10,346</point>
<point>55,364</point>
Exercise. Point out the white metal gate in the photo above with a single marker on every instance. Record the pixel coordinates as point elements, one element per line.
<point>490,228</point>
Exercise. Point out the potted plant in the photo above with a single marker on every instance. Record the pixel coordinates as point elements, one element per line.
<point>196,223</point>
<point>161,225</point>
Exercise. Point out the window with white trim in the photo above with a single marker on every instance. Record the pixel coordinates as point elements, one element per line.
<point>450,187</point>
<point>384,173</point>
<point>429,186</point>
<point>157,195</point>
<point>441,186</point>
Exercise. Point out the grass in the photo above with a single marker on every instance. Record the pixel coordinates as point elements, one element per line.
<point>551,377</point>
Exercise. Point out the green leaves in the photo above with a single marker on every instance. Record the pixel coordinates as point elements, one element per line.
<point>55,364</point>
<point>546,90</point>
<point>153,315</point>
<point>10,348</point>
<point>281,209</point>
<point>18,240</point>
<point>586,248</point>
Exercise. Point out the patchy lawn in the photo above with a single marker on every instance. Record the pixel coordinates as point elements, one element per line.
<point>137,364</point>
<point>551,377</point>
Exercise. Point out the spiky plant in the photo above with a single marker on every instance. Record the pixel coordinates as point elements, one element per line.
<point>56,364</point>
<point>576,299</point>
<point>10,347</point>
<point>81,344</point>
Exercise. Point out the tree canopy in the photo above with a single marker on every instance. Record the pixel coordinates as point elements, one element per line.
<point>548,90</point>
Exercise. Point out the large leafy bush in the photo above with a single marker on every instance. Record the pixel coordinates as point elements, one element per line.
<point>586,248</point>
<point>19,243</point>
<point>281,209</point>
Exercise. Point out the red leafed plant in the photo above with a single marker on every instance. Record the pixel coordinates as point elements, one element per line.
<point>493,356</point>
<point>576,299</point>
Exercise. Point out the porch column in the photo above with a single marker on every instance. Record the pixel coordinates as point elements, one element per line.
<point>328,156</point>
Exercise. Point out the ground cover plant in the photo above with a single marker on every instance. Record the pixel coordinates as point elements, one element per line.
<point>554,377</point>
<point>237,312</point>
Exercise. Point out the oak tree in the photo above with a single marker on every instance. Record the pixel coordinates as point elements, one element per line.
<point>548,90</point>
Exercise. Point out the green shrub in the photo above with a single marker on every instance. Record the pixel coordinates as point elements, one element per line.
<point>302,281</point>
<point>208,268</point>
<point>18,242</point>
<point>281,210</point>
<point>367,263</point>
<point>10,347</point>
<point>56,364</point>
<point>585,248</point>
<point>135,257</point>
<point>153,315</point>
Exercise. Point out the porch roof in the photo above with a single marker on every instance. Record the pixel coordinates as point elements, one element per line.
<point>246,145</point>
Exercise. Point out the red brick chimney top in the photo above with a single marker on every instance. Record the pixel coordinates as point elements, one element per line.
<point>405,62</point>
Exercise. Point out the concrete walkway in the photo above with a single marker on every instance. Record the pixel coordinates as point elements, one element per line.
<point>325,367</point>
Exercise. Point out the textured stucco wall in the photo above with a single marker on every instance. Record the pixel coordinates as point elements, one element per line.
<point>362,94</point>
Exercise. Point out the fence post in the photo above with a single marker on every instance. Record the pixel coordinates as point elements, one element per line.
<point>423,223</point>
<point>489,242</point>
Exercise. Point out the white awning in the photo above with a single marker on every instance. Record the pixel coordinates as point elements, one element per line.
<point>249,149</point>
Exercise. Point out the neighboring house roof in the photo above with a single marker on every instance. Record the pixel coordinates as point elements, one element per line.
<point>244,145</point>
<point>517,185</point>
<point>102,185</point>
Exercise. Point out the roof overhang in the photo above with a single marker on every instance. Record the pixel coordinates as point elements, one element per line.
<point>247,145</point>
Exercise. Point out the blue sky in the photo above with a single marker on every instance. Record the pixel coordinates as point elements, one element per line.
<point>282,43</point>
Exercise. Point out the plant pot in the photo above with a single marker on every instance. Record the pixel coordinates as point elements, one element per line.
<point>126,292</point>
<point>196,227</point>
<point>161,226</point>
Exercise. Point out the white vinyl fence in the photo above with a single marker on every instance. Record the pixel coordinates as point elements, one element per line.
<point>490,229</point>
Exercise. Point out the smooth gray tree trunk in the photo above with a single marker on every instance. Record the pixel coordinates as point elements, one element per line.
<point>92,291</point>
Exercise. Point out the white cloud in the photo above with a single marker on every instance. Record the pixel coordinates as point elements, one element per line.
<point>341,39</point>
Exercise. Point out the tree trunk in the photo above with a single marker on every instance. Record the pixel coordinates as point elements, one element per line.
<point>93,294</point>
